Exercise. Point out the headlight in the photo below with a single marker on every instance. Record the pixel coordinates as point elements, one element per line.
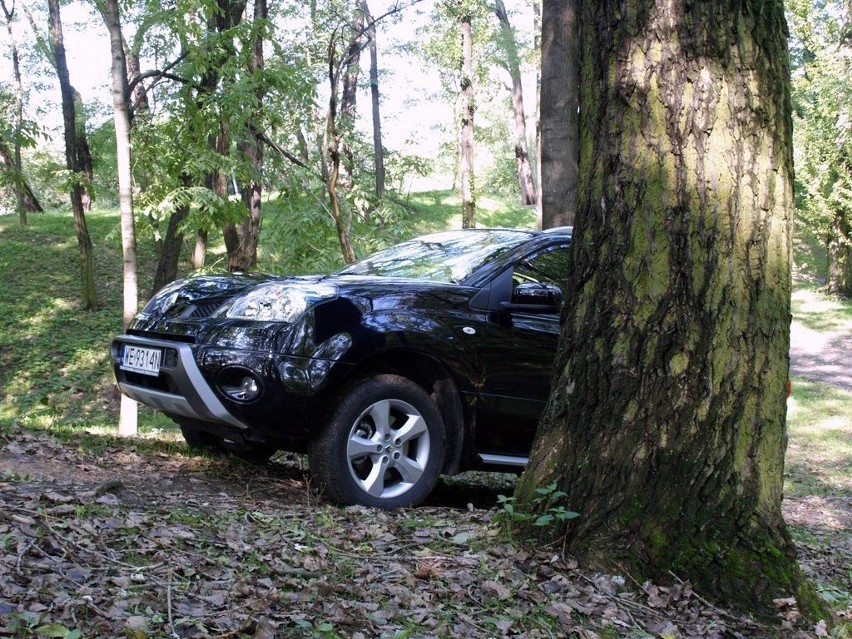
<point>278,302</point>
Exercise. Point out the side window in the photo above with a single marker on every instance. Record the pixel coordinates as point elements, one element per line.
<point>549,268</point>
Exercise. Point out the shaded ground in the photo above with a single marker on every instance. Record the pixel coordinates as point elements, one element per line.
<point>158,545</point>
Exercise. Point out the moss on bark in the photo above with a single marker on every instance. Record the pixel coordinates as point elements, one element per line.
<point>666,424</point>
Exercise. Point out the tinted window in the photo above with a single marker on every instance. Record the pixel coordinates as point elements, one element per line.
<point>549,268</point>
<point>440,257</point>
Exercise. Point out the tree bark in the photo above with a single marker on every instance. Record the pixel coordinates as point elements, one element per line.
<point>242,239</point>
<point>522,152</point>
<point>84,241</point>
<point>27,201</point>
<point>199,252</point>
<point>666,423</point>
<point>110,12</point>
<point>378,148</point>
<point>349,93</point>
<point>167,265</point>
<point>84,154</point>
<point>559,144</point>
<point>839,280</point>
<point>466,105</point>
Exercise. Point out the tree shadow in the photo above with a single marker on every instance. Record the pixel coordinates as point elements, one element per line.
<point>480,490</point>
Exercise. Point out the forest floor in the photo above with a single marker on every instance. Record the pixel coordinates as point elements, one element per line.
<point>106,538</point>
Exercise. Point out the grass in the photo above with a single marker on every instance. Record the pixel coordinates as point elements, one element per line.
<point>55,373</point>
<point>819,457</point>
<point>821,313</point>
<point>54,366</point>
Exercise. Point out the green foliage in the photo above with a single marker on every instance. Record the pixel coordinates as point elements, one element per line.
<point>299,235</point>
<point>321,629</point>
<point>546,510</point>
<point>28,624</point>
<point>822,101</point>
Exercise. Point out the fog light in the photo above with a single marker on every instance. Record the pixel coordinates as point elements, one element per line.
<point>170,358</point>
<point>245,390</point>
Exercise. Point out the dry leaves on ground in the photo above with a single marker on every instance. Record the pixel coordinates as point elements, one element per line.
<point>141,544</point>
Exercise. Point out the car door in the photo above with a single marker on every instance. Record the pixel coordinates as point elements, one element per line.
<point>517,353</point>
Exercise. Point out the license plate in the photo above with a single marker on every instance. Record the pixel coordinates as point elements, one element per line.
<point>141,360</point>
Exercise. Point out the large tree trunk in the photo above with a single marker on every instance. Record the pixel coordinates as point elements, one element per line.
<point>559,130</point>
<point>127,423</point>
<point>666,423</point>
<point>522,151</point>
<point>378,149</point>
<point>466,126</point>
<point>84,241</point>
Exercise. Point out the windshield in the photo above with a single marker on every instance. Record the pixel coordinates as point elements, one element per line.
<point>450,256</point>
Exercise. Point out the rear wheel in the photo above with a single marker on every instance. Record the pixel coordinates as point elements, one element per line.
<point>384,445</point>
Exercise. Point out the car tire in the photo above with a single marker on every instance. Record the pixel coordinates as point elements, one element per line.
<point>198,439</point>
<point>384,445</point>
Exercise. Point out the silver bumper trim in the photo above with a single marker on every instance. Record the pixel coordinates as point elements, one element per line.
<point>196,400</point>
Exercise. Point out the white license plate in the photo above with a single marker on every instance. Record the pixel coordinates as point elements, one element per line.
<point>141,360</point>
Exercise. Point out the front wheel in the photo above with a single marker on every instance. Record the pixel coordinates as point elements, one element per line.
<point>384,445</point>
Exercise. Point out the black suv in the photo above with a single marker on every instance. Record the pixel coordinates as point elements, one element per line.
<point>433,356</point>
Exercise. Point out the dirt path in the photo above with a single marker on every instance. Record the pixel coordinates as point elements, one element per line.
<point>823,356</point>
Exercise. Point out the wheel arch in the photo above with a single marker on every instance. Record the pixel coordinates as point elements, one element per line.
<point>434,378</point>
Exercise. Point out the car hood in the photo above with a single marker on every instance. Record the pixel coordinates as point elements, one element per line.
<point>200,295</point>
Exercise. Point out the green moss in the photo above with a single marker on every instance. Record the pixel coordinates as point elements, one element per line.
<point>657,541</point>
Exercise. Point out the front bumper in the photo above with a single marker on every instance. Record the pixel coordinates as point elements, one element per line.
<point>180,389</point>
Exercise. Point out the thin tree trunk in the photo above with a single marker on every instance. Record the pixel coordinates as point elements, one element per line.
<point>27,202</point>
<point>332,149</point>
<point>666,423</point>
<point>349,94</point>
<point>378,149</point>
<point>84,154</point>
<point>84,241</point>
<point>839,280</point>
<point>559,143</point>
<point>243,238</point>
<point>139,97</point>
<point>522,152</point>
<point>332,138</point>
<point>127,423</point>
<point>167,265</point>
<point>466,126</point>
<point>228,15</point>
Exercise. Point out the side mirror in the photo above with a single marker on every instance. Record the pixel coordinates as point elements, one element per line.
<point>532,297</point>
